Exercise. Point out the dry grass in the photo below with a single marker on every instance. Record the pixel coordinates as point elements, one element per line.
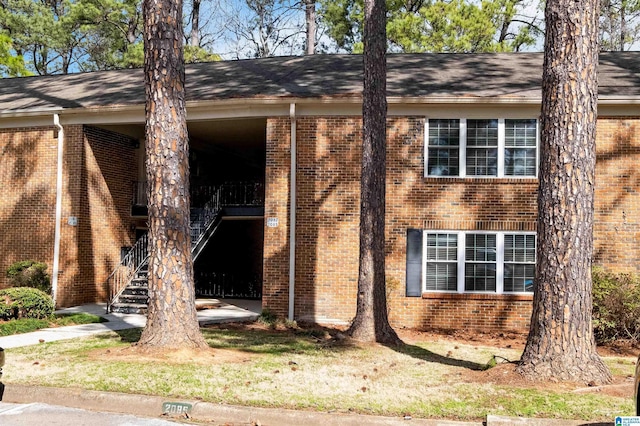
<point>431,376</point>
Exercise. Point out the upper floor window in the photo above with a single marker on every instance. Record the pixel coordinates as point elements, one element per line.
<point>481,148</point>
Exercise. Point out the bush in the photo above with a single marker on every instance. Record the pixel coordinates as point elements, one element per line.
<point>616,306</point>
<point>29,273</point>
<point>25,302</point>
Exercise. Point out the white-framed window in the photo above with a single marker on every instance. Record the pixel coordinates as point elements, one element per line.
<point>478,261</point>
<point>495,147</point>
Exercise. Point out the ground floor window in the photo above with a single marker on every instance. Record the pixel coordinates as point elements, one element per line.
<point>470,261</point>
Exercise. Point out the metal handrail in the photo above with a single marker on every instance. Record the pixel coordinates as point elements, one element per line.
<point>225,195</point>
<point>127,269</point>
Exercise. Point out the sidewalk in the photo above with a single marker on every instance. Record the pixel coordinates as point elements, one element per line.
<point>220,310</point>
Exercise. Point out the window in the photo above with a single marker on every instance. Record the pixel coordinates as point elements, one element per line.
<point>444,147</point>
<point>520,142</point>
<point>519,262</point>
<point>481,148</point>
<point>480,262</point>
<point>495,262</point>
<point>442,262</point>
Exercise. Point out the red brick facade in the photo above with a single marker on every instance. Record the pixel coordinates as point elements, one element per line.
<point>98,168</point>
<point>328,165</point>
<point>27,199</point>
<point>617,208</point>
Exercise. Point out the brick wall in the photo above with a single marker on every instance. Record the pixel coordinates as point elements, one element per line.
<point>97,172</point>
<point>328,214</point>
<point>27,196</point>
<point>617,209</point>
<point>327,218</point>
<point>414,201</point>
<point>275,289</point>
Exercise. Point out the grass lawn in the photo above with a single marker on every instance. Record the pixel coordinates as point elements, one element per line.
<point>27,325</point>
<point>430,377</point>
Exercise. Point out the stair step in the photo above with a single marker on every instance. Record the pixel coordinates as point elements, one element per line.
<point>129,308</point>
<point>133,299</point>
<point>136,291</point>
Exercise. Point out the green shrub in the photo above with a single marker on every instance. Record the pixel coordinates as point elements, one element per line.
<point>616,305</point>
<point>25,302</point>
<point>29,273</point>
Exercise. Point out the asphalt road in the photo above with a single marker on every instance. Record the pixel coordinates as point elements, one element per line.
<point>54,415</point>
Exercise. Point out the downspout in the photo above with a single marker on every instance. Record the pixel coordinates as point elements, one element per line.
<point>292,213</point>
<point>56,238</point>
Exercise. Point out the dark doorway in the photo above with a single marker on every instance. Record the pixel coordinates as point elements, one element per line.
<point>231,264</point>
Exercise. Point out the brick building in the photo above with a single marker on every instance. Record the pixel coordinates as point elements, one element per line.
<point>463,147</point>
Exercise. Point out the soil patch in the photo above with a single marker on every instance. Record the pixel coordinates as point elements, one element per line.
<point>171,356</point>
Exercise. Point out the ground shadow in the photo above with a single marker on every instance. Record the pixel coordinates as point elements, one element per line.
<point>428,356</point>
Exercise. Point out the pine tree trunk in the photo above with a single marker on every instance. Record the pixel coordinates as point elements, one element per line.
<point>194,38</point>
<point>310,18</point>
<point>371,322</point>
<point>561,344</point>
<point>171,320</point>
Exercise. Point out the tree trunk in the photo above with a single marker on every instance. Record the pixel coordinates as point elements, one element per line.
<point>194,38</point>
<point>310,17</point>
<point>371,322</point>
<point>561,345</point>
<point>171,320</point>
<point>623,24</point>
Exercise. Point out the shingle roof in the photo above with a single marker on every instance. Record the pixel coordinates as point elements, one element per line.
<point>425,76</point>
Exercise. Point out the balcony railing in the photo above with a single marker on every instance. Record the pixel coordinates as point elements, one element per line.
<point>233,194</point>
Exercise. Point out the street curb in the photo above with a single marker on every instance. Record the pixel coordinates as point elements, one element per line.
<point>523,421</point>
<point>151,406</point>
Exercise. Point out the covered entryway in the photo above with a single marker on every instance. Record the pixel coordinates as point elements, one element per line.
<point>227,170</point>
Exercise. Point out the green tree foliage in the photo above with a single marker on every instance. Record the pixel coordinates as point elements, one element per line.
<point>437,25</point>
<point>111,34</point>
<point>10,65</point>
<point>196,54</point>
<point>46,34</point>
<point>62,36</point>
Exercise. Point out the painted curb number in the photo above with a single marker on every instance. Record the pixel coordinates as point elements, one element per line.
<point>176,408</point>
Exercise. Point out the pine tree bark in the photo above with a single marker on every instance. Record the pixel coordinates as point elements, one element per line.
<point>371,322</point>
<point>310,19</point>
<point>171,320</point>
<point>194,37</point>
<point>561,344</point>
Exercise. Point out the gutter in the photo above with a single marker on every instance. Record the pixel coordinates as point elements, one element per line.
<point>56,242</point>
<point>292,214</point>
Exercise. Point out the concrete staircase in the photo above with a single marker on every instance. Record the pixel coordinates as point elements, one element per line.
<point>135,296</point>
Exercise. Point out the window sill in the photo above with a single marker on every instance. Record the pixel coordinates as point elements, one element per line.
<point>489,180</point>
<point>478,296</point>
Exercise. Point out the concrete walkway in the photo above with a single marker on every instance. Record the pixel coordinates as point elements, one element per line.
<point>210,311</point>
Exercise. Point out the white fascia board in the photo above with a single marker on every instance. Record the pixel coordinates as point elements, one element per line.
<point>443,107</point>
